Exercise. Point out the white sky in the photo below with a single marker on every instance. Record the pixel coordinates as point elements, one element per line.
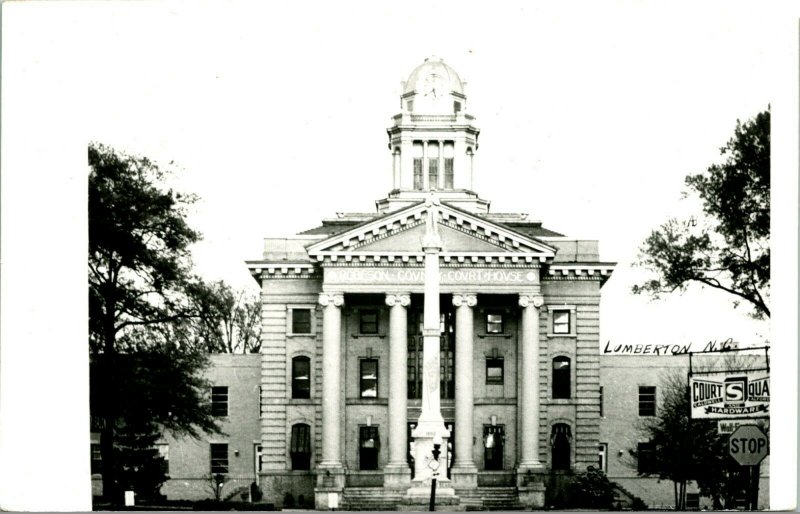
<point>591,115</point>
<point>590,118</point>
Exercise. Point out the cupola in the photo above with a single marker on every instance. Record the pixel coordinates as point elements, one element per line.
<point>433,141</point>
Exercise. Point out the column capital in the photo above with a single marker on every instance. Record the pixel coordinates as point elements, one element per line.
<point>336,299</point>
<point>535,300</point>
<point>402,299</point>
<point>468,299</point>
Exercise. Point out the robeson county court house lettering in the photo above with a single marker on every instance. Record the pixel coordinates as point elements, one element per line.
<point>417,276</point>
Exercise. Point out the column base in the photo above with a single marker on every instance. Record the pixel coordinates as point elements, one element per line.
<point>464,476</point>
<point>396,477</point>
<point>531,485</point>
<point>329,487</point>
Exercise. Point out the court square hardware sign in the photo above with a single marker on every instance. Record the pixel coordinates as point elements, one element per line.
<point>738,395</point>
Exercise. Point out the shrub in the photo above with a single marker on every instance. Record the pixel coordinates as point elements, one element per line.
<point>591,490</point>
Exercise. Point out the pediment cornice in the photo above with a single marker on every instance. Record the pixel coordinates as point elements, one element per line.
<point>503,241</point>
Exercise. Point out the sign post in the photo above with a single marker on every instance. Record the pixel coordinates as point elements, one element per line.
<point>749,445</point>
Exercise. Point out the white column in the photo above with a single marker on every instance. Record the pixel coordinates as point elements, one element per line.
<point>396,473</point>
<point>464,469</point>
<point>396,168</point>
<point>425,178</point>
<point>331,378</point>
<point>528,406</point>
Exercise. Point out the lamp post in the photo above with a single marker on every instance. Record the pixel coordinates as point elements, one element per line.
<point>434,465</point>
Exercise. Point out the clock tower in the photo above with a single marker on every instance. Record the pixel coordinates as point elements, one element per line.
<point>433,141</point>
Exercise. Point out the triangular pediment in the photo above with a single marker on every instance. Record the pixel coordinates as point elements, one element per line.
<point>411,240</point>
<point>402,232</point>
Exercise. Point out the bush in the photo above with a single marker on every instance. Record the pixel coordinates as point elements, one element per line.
<point>591,490</point>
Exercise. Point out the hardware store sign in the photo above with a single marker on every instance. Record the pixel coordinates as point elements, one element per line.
<point>738,395</point>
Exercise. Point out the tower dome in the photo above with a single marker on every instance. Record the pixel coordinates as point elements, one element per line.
<point>433,141</point>
<point>434,71</point>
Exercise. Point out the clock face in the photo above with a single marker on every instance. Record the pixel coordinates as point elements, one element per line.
<point>433,86</point>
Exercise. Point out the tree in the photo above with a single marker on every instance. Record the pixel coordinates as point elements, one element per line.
<point>684,449</point>
<point>727,246</point>
<point>231,321</point>
<point>141,289</point>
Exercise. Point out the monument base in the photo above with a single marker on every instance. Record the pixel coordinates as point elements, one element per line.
<point>418,498</point>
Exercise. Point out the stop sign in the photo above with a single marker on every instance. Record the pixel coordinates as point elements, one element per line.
<point>748,445</point>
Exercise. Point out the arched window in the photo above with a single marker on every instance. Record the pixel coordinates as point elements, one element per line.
<point>561,378</point>
<point>300,446</point>
<point>560,442</point>
<point>301,377</point>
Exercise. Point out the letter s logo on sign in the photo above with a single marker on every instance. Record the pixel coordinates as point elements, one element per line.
<point>735,388</point>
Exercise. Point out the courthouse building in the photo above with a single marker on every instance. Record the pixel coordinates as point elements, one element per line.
<point>432,321</point>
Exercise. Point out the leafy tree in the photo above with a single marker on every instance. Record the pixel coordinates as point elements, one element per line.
<point>685,449</point>
<point>231,320</point>
<point>141,290</point>
<point>727,246</point>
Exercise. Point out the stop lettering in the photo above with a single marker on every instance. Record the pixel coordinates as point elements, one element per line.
<point>745,445</point>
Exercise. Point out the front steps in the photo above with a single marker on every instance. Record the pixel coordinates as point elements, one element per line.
<point>482,498</point>
<point>490,498</point>
<point>370,498</point>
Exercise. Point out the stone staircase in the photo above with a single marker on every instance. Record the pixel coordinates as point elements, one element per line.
<point>482,498</point>
<point>490,498</point>
<point>370,498</point>
<point>625,499</point>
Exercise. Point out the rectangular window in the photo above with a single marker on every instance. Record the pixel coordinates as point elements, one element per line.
<point>368,322</point>
<point>494,323</point>
<point>602,457</point>
<point>494,371</point>
<point>163,452</point>
<point>418,173</point>
<point>493,442</point>
<point>300,448</point>
<point>301,377</point>
<point>258,464</point>
<point>647,400</point>
<point>433,173</point>
<point>645,453</point>
<point>219,458</point>
<point>301,321</point>
<point>369,444</point>
<point>369,378</point>
<point>448,173</point>
<point>219,401</point>
<point>561,322</point>
<point>97,459</point>
<point>601,401</point>
<point>692,501</point>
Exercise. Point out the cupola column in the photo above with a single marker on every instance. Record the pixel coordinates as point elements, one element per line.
<point>396,168</point>
<point>425,179</point>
